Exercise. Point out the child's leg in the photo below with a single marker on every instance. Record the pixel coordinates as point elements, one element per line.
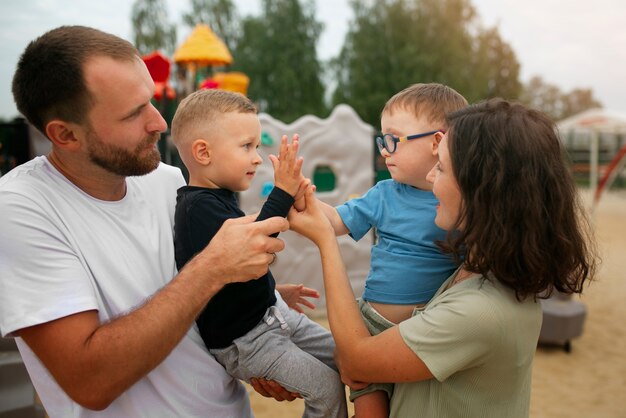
<point>372,405</point>
<point>309,336</point>
<point>267,351</point>
<point>372,401</point>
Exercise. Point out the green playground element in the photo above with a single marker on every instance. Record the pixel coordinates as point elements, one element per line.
<point>324,178</point>
<point>266,139</point>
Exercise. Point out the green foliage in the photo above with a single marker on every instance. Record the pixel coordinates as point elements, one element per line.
<point>152,31</point>
<point>496,69</point>
<point>394,43</point>
<point>551,100</point>
<point>390,44</point>
<point>220,15</point>
<point>277,50</point>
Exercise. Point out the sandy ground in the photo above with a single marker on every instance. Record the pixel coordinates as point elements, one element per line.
<point>591,380</point>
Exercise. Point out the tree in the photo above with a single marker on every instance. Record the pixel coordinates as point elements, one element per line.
<point>394,43</point>
<point>220,15</point>
<point>578,100</point>
<point>496,69</point>
<point>277,50</point>
<point>151,27</point>
<point>551,100</point>
<point>373,58</point>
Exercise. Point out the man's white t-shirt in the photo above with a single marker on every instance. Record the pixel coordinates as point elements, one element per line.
<point>63,252</point>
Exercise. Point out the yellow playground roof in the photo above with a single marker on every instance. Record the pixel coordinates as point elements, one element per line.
<point>203,47</point>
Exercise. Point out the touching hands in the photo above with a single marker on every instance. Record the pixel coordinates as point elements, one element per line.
<point>288,166</point>
<point>311,222</point>
<point>294,295</point>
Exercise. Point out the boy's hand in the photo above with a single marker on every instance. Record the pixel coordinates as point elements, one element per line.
<point>287,166</point>
<point>294,295</point>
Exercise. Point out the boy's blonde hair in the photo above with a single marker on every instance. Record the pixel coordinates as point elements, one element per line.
<point>198,111</point>
<point>430,100</point>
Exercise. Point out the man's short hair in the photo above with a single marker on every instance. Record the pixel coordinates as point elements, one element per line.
<point>49,82</point>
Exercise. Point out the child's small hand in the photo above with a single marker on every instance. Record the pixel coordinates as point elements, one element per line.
<point>294,295</point>
<point>287,166</point>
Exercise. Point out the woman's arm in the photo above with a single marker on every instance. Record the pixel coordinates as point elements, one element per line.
<point>360,356</point>
<point>334,218</point>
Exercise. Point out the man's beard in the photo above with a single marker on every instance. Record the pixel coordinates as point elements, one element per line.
<point>122,162</point>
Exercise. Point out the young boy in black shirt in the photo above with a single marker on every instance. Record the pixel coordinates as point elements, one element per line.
<point>248,327</point>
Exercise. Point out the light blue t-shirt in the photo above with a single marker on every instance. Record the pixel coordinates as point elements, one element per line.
<point>407,267</point>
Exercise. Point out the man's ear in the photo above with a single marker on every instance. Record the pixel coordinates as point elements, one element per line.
<point>63,134</point>
<point>434,143</point>
<point>201,151</point>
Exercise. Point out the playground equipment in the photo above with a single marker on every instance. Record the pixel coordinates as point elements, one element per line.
<point>592,126</point>
<point>615,166</point>
<point>232,81</point>
<point>339,157</point>
<point>159,69</point>
<point>201,49</point>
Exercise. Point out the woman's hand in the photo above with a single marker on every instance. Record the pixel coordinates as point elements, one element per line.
<point>311,222</point>
<point>299,203</point>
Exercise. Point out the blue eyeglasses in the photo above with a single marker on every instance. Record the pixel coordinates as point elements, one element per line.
<point>390,142</point>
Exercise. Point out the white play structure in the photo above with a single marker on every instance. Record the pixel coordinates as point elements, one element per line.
<point>596,131</point>
<point>342,148</point>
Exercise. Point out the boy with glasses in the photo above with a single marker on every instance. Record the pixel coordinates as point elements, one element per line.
<point>407,267</point>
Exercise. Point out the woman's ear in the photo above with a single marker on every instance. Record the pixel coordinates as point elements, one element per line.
<point>63,134</point>
<point>201,151</point>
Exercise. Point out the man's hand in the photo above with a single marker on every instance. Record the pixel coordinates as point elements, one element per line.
<point>272,389</point>
<point>294,295</point>
<point>96,362</point>
<point>241,250</point>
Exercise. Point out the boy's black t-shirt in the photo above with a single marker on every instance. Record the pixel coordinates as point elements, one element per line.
<point>238,307</point>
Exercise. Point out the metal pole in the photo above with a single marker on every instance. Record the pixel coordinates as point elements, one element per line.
<point>594,157</point>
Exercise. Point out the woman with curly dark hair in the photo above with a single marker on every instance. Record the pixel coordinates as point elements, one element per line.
<point>507,196</point>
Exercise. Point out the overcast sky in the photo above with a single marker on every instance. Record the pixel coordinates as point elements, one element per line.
<point>570,43</point>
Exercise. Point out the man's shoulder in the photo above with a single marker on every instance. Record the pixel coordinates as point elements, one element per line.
<point>33,181</point>
<point>164,176</point>
<point>167,171</point>
<point>23,174</point>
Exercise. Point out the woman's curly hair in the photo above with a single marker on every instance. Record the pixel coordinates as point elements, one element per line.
<point>521,216</point>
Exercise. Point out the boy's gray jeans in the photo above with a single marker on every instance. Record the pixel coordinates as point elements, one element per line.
<point>288,347</point>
